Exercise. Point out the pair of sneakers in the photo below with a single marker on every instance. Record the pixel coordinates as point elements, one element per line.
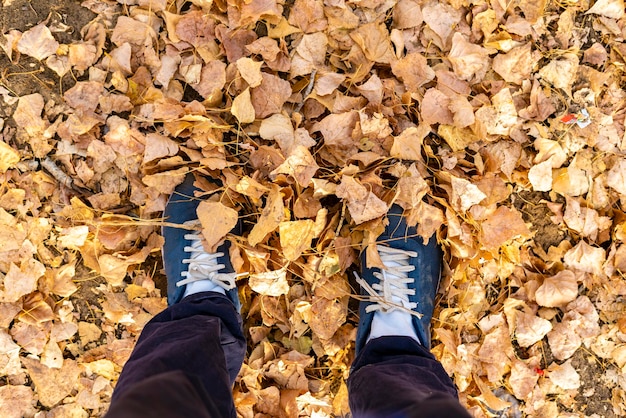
<point>397,300</point>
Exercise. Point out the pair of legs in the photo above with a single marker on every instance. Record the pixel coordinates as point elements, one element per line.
<point>187,357</point>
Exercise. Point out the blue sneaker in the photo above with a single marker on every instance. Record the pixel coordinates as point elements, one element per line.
<point>188,267</point>
<point>400,299</point>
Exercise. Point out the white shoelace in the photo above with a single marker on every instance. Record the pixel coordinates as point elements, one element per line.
<point>204,266</point>
<point>391,292</point>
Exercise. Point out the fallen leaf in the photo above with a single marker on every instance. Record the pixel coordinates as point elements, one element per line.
<point>52,385</point>
<point>613,9</point>
<point>465,194</point>
<point>557,290</point>
<point>242,107</point>
<point>22,280</point>
<point>501,226</point>
<point>217,221</point>
<point>270,283</point>
<point>17,401</point>
<point>38,42</point>
<point>271,216</point>
<point>564,375</point>
<point>469,61</point>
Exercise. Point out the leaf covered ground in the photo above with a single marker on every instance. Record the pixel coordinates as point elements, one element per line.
<point>498,127</point>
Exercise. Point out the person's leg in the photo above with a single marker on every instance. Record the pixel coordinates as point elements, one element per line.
<point>395,377</point>
<point>200,337</point>
<point>188,356</point>
<point>394,374</point>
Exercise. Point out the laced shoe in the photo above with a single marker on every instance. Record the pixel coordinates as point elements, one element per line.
<point>400,299</point>
<point>188,267</point>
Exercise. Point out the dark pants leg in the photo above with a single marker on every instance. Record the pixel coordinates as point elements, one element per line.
<point>395,377</point>
<point>185,362</point>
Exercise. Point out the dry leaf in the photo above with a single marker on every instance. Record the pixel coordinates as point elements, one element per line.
<point>465,194</point>
<point>8,157</point>
<point>557,290</point>
<point>270,283</point>
<point>38,42</point>
<point>296,237</point>
<point>300,164</point>
<point>242,107</point>
<point>501,226</point>
<point>22,280</point>
<point>270,96</point>
<point>408,145</point>
<point>469,61</point>
<point>373,39</point>
<point>540,176</point>
<point>52,385</point>
<point>271,216</point>
<point>250,71</point>
<point>564,375</point>
<point>17,401</point>
<point>613,9</point>
<point>217,220</point>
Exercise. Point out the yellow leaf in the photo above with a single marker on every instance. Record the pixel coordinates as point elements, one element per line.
<point>295,237</point>
<point>271,216</point>
<point>250,71</point>
<point>8,157</point>
<point>217,220</point>
<point>242,107</point>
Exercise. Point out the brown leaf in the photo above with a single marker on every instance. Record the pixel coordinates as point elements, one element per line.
<point>407,145</point>
<point>17,401</point>
<point>516,65</point>
<point>362,204</point>
<point>557,290</point>
<point>327,316</point>
<point>27,115</point>
<point>38,42</point>
<point>469,61</point>
<point>52,385</point>
<point>9,355</point>
<point>308,15</point>
<point>435,108</point>
<point>84,95</point>
<point>501,226</point>
<point>270,96</point>
<point>414,70</point>
<point>300,164</point>
<point>22,280</point>
<point>373,39</point>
